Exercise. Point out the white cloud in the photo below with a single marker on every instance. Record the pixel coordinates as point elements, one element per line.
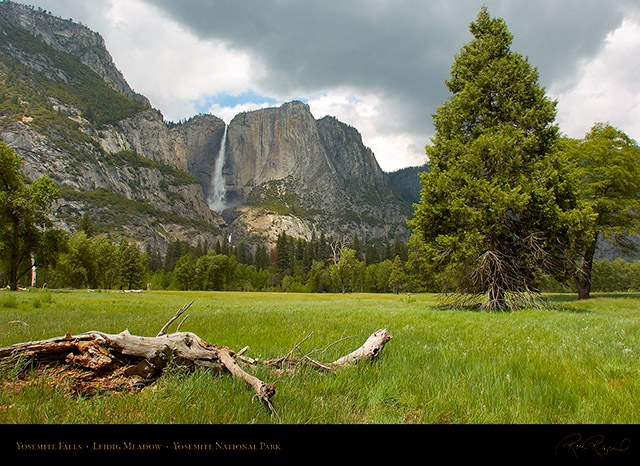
<point>373,116</point>
<point>168,64</point>
<point>607,90</point>
<point>227,113</point>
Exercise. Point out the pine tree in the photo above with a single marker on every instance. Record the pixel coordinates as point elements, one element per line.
<point>398,276</point>
<point>284,254</point>
<point>497,208</point>
<point>132,269</point>
<point>356,246</point>
<point>372,256</point>
<point>86,224</point>
<point>399,250</point>
<point>261,259</point>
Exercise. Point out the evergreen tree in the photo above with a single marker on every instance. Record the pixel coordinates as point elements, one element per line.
<point>86,224</point>
<point>371,254</point>
<point>307,256</point>
<point>397,277</point>
<point>323,252</point>
<point>131,268</point>
<point>283,257</point>
<point>261,259</point>
<point>388,253</point>
<point>497,207</point>
<point>399,250</point>
<point>175,251</point>
<point>240,253</point>
<point>356,246</point>
<point>155,260</point>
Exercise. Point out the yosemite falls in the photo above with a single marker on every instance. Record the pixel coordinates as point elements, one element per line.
<point>216,198</point>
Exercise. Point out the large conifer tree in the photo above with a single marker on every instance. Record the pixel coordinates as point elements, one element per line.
<point>496,209</point>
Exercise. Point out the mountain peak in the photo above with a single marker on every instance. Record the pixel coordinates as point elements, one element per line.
<point>66,36</point>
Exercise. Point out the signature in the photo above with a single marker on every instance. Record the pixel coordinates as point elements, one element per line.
<point>596,444</point>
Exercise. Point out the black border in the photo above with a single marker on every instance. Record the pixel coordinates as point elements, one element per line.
<point>565,443</point>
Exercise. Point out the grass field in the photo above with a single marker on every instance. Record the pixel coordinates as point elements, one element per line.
<point>577,362</point>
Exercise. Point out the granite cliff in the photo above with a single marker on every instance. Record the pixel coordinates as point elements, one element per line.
<point>69,113</point>
<point>314,175</point>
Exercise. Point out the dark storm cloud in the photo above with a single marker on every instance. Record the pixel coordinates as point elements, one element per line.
<point>400,49</point>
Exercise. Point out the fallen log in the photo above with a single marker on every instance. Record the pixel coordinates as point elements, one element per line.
<point>99,355</point>
<point>96,361</point>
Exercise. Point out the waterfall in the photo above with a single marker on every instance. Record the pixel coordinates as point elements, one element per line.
<point>217,190</point>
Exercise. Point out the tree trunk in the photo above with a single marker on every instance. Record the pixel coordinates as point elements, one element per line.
<point>34,279</point>
<point>369,350</point>
<point>497,300</point>
<point>14,262</point>
<point>583,274</point>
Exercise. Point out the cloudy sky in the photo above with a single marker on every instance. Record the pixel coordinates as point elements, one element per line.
<point>378,65</point>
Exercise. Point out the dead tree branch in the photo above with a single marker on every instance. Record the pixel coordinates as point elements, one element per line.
<point>368,351</point>
<point>174,318</point>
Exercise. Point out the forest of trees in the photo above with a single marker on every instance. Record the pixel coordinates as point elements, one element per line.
<point>321,265</point>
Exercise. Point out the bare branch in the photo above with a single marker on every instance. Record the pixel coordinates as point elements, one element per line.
<point>282,360</point>
<point>326,347</point>
<point>181,322</point>
<point>369,350</point>
<point>181,311</point>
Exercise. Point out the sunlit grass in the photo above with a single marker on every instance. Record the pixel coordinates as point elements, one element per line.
<point>578,362</point>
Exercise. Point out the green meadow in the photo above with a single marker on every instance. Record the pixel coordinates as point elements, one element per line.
<point>574,362</point>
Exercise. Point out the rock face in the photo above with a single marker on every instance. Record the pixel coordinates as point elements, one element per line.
<point>283,161</point>
<point>197,146</point>
<point>406,182</point>
<point>147,134</point>
<point>69,37</point>
<point>69,113</point>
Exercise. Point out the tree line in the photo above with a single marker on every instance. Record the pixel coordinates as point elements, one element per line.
<point>319,265</point>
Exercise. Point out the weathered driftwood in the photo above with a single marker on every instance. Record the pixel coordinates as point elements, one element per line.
<point>102,356</point>
<point>368,351</point>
